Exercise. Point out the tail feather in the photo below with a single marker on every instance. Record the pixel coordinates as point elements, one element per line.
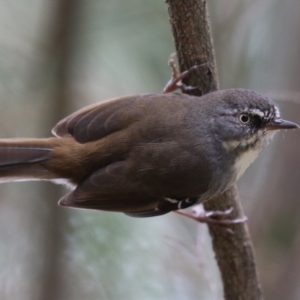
<point>22,159</point>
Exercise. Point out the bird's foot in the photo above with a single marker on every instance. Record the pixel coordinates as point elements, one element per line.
<point>212,217</point>
<point>176,80</point>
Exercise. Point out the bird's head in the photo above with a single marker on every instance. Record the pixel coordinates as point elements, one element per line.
<point>245,120</point>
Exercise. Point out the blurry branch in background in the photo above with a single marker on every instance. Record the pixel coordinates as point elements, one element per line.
<point>234,253</point>
<point>59,60</point>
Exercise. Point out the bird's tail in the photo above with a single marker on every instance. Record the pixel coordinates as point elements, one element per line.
<point>24,159</point>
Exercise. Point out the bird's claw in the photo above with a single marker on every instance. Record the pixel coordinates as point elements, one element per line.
<point>176,80</point>
<point>212,217</point>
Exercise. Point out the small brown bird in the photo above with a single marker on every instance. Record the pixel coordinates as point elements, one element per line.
<point>146,155</point>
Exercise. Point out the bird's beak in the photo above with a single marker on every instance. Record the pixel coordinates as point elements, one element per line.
<point>277,124</point>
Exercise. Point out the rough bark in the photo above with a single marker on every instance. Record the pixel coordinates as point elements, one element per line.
<point>234,253</point>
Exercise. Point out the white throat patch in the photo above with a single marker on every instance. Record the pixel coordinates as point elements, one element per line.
<point>247,157</point>
<point>244,161</point>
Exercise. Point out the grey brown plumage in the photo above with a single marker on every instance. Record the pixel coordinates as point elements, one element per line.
<point>143,155</point>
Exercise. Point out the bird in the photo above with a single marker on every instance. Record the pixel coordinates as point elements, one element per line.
<point>150,154</point>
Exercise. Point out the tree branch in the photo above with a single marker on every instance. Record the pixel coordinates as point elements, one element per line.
<point>234,254</point>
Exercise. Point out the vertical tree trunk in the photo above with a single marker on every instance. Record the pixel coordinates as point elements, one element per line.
<point>234,254</point>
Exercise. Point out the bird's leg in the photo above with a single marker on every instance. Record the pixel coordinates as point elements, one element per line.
<point>176,80</point>
<point>212,217</point>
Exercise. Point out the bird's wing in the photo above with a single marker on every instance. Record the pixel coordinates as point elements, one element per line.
<point>130,206</point>
<point>148,213</point>
<point>96,121</point>
<point>113,191</point>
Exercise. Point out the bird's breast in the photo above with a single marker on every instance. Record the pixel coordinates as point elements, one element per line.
<point>243,161</point>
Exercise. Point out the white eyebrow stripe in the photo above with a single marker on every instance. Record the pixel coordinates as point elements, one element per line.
<point>257,112</point>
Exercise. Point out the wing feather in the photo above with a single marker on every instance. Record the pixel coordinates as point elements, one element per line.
<point>99,120</point>
<point>109,189</point>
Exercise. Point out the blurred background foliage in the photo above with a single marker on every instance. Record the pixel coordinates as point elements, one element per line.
<point>57,56</point>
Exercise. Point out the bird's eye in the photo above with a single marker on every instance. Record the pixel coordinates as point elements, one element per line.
<point>244,119</point>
